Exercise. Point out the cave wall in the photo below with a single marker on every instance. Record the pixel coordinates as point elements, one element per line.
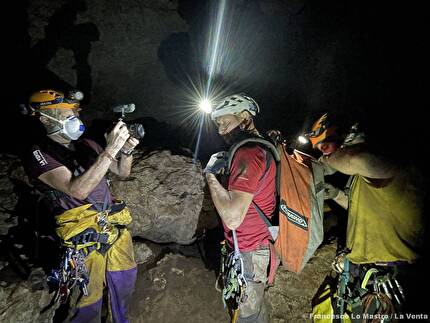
<point>108,49</point>
<point>297,58</point>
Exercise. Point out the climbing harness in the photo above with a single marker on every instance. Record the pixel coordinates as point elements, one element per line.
<point>233,278</point>
<point>367,291</point>
<point>82,231</point>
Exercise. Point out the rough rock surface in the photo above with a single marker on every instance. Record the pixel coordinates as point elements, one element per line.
<point>142,253</point>
<point>178,290</point>
<point>23,301</point>
<point>291,295</point>
<point>164,192</point>
<point>165,195</point>
<point>10,169</point>
<point>97,45</point>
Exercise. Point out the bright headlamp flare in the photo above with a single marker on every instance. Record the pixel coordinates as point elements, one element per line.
<point>214,57</point>
<point>205,105</point>
<point>303,140</point>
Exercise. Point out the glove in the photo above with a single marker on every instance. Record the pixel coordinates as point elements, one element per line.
<point>216,163</point>
<point>330,192</point>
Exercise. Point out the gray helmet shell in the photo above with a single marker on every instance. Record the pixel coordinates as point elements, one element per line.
<point>235,104</point>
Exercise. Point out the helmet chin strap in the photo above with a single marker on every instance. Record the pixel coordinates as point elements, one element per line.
<point>244,125</point>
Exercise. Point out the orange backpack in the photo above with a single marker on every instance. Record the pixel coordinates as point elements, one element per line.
<point>300,189</point>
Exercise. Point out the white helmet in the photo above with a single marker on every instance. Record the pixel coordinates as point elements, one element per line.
<point>235,104</point>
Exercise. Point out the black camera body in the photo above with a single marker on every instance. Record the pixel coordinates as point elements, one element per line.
<point>136,130</point>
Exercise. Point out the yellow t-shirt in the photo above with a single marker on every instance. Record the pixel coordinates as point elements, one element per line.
<point>385,224</point>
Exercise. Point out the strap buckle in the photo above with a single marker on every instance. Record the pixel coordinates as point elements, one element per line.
<point>90,235</point>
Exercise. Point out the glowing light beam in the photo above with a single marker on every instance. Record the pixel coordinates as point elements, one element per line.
<point>205,105</point>
<point>215,44</point>
<point>303,140</point>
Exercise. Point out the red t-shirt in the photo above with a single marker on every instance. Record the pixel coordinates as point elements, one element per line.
<point>248,174</point>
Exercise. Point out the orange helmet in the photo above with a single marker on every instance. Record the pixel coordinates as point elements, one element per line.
<point>321,130</point>
<point>51,99</point>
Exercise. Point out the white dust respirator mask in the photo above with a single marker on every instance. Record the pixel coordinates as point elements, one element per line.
<point>71,128</point>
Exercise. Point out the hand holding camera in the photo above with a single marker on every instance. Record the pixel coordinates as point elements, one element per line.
<point>116,139</point>
<point>136,130</point>
<point>129,146</point>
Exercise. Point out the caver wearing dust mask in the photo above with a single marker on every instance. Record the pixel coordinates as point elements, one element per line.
<point>58,114</point>
<point>91,223</point>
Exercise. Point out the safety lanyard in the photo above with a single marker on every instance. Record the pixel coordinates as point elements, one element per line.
<point>344,279</point>
<point>236,245</point>
<point>238,262</point>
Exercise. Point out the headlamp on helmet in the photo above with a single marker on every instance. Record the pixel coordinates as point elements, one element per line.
<point>75,95</point>
<point>52,99</point>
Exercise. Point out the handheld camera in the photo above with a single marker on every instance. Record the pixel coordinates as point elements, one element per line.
<point>136,129</point>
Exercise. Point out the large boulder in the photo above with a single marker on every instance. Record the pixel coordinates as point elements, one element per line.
<point>165,195</point>
<point>164,192</point>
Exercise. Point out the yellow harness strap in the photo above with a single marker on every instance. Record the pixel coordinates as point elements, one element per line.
<point>366,278</point>
<point>78,220</point>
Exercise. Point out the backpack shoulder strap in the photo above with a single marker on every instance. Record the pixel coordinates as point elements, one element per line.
<point>261,141</point>
<point>271,153</point>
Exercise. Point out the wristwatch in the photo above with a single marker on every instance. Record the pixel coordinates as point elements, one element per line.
<point>127,152</point>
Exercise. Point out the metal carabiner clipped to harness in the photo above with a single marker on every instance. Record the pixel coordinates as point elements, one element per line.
<point>234,279</point>
<point>72,272</point>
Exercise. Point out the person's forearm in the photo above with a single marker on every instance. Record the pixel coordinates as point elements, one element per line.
<point>339,161</point>
<point>361,163</point>
<point>122,167</point>
<point>81,186</point>
<point>223,203</point>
